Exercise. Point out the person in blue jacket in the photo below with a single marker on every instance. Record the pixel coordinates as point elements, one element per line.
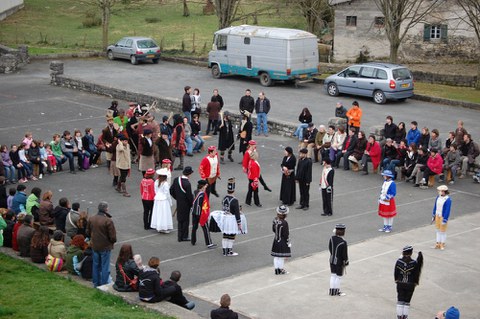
<point>440,215</point>
<point>413,135</point>
<point>19,203</point>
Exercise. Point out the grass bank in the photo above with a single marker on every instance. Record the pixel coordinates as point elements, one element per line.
<point>459,93</point>
<point>28,292</point>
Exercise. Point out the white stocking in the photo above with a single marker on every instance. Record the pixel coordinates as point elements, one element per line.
<point>390,221</point>
<point>224,243</point>
<point>399,310</point>
<point>281,262</point>
<point>332,280</point>
<point>230,243</point>
<point>275,262</point>
<point>439,237</point>
<point>443,237</point>
<point>337,282</point>
<point>385,221</point>
<point>406,308</point>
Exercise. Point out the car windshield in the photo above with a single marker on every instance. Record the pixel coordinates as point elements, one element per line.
<point>146,44</point>
<point>401,74</point>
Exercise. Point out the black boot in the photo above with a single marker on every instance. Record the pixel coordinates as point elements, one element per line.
<point>225,251</point>
<point>276,271</point>
<point>230,157</point>
<point>115,181</point>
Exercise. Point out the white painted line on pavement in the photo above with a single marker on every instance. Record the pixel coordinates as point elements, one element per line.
<point>50,123</point>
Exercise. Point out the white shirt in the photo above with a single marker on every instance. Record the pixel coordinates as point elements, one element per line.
<point>213,166</point>
<point>440,202</point>
<point>323,180</point>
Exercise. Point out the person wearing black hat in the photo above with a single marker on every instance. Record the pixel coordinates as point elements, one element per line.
<point>226,141</point>
<point>123,162</point>
<point>326,186</point>
<point>281,241</point>
<point>231,206</point>
<point>304,178</point>
<point>146,154</point>
<point>109,135</point>
<point>407,276</point>
<point>245,132</point>
<point>200,213</point>
<point>181,191</point>
<point>338,259</point>
<point>287,187</point>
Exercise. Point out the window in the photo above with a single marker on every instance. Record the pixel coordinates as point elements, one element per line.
<point>352,72</point>
<point>379,22</point>
<point>129,43</point>
<point>436,33</point>
<point>367,72</point>
<point>246,41</point>
<point>381,74</point>
<point>351,21</point>
<point>221,42</point>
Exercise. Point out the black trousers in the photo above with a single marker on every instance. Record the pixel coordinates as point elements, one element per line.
<point>327,199</point>
<point>427,173</point>
<point>123,175</point>
<point>206,232</point>
<point>213,124</point>
<point>211,188</point>
<point>251,191</point>
<point>94,157</point>
<point>147,213</point>
<point>304,193</point>
<point>183,228</point>
<point>405,292</point>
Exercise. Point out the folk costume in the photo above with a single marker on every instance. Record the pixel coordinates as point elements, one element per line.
<point>287,188</point>
<point>245,133</point>
<point>147,192</point>
<point>162,208</point>
<point>407,275</point>
<point>440,215</point>
<point>123,162</point>
<point>209,170</point>
<point>109,135</point>
<point>226,141</point>
<point>252,152</point>
<point>201,213</point>
<point>338,259</point>
<point>147,159</point>
<point>386,202</point>
<point>181,191</point>
<point>326,186</point>
<point>179,147</point>
<point>253,175</point>
<point>281,241</point>
<point>304,178</point>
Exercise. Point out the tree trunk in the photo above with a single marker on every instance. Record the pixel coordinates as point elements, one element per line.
<point>394,51</point>
<point>186,12</point>
<point>477,85</point>
<point>105,24</point>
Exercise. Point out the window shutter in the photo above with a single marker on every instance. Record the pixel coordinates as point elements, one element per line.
<point>426,32</point>
<point>444,32</point>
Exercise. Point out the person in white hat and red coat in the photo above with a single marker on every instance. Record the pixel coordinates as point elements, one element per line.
<point>440,215</point>
<point>387,209</point>
<point>209,170</point>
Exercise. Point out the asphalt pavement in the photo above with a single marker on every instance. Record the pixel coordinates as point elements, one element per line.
<point>28,102</point>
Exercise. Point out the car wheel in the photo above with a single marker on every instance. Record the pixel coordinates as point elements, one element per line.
<point>155,61</point>
<point>265,79</point>
<point>332,89</point>
<point>216,71</point>
<point>379,97</point>
<point>110,55</point>
<point>133,60</point>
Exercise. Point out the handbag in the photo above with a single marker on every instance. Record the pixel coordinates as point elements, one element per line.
<point>133,283</point>
<point>54,264</point>
<point>86,162</point>
<point>79,265</point>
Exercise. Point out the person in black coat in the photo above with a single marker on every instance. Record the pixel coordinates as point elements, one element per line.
<point>247,103</point>
<point>60,214</point>
<point>338,259</point>
<point>217,98</point>
<point>87,264</point>
<point>187,103</point>
<point>287,188</point>
<point>390,128</point>
<point>407,276</point>
<point>164,148</point>
<point>8,232</point>
<point>304,178</point>
<point>347,149</point>
<point>226,141</point>
<point>281,241</point>
<point>126,269</point>
<point>3,193</point>
<point>245,133</point>
<point>178,298</point>
<point>181,191</point>
<point>224,312</point>
<point>150,285</point>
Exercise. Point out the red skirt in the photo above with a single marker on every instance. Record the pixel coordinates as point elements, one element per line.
<point>387,211</point>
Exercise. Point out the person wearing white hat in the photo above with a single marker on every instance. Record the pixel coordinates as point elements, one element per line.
<point>338,259</point>
<point>440,215</point>
<point>162,207</point>
<point>407,276</point>
<point>281,241</point>
<point>387,208</point>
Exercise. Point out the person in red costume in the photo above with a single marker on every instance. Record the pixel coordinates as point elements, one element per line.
<point>209,170</point>
<point>253,174</point>
<point>147,191</point>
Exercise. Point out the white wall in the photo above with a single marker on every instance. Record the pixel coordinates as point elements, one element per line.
<point>8,7</point>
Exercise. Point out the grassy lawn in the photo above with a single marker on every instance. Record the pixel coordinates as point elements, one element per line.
<point>29,292</point>
<point>448,92</point>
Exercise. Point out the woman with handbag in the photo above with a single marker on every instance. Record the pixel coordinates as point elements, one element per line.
<point>75,254</point>
<point>126,270</point>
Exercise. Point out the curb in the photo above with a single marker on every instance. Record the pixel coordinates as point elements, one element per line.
<point>438,100</point>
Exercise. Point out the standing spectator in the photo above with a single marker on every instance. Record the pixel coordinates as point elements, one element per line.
<point>217,98</point>
<point>355,116</point>
<point>245,132</point>
<point>213,109</point>
<point>164,148</point>
<point>413,135</point>
<point>347,149</point>
<point>470,152</point>
<point>200,214</point>
<point>179,147</point>
<point>126,269</point>
<point>326,186</point>
<point>341,112</point>
<point>434,167</point>
<point>304,178</point>
<point>304,118</point>
<point>181,191</point>
<point>102,233</point>
<point>39,245</point>
<point>226,141</point>
<point>407,275</point>
<point>113,109</point>
<point>161,219</point>
<point>338,259</point>
<point>387,209</point>
<point>196,136</point>
<point>247,103</point>
<point>124,162</point>
<point>287,188</point>
<point>441,214</point>
<point>196,103</point>
<point>178,298</point>
<point>165,127</point>
<point>24,236</point>
<point>224,312</point>
<point>188,136</point>
<point>262,107</point>
<point>451,164</point>
<point>19,202</point>
<point>187,103</point>
<point>373,153</point>
<point>390,129</point>
<point>147,192</point>
<point>400,133</point>
<point>209,170</point>
<point>60,214</point>
<point>281,241</point>
<point>460,132</point>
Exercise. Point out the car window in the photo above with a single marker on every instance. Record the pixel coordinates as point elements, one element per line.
<point>129,43</point>
<point>121,43</point>
<point>401,74</point>
<point>382,74</point>
<point>146,44</point>
<point>221,42</point>
<point>367,72</point>
<point>353,72</point>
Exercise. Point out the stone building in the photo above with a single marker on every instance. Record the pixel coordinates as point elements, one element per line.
<point>442,37</point>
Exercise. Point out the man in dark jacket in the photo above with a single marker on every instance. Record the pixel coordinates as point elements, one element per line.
<point>338,259</point>
<point>304,178</point>
<point>178,298</point>
<point>470,152</point>
<point>60,213</point>
<point>247,102</point>
<point>24,236</point>
<point>224,312</point>
<point>102,234</point>
<point>262,107</point>
<point>348,146</point>
<point>181,191</point>
<point>187,103</point>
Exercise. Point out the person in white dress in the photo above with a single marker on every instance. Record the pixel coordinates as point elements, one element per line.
<point>162,207</point>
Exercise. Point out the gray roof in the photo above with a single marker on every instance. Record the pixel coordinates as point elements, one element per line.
<point>266,32</point>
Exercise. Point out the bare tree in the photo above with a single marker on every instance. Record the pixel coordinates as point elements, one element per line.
<point>401,16</point>
<point>105,7</point>
<point>226,11</point>
<point>471,9</point>
<point>317,13</point>
<point>186,11</point>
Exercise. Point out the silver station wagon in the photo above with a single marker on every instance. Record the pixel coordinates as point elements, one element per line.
<point>135,49</point>
<point>382,81</point>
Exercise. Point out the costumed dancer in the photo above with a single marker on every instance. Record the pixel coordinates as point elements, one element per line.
<point>440,215</point>
<point>338,259</point>
<point>147,192</point>
<point>252,149</point>
<point>287,187</point>
<point>281,241</point>
<point>162,207</point>
<point>147,159</point>
<point>245,132</point>
<point>179,147</point>
<point>326,186</point>
<point>166,163</point>
<point>304,178</point>
<point>386,203</point>
<point>226,142</point>
<point>209,170</point>
<point>253,174</point>
<point>201,213</point>
<point>407,276</point>
<point>181,190</point>
<point>123,162</point>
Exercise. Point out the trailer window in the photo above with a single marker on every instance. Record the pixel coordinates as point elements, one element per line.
<point>246,40</point>
<point>221,42</point>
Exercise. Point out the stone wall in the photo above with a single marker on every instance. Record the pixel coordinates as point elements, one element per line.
<point>12,59</point>
<point>447,79</point>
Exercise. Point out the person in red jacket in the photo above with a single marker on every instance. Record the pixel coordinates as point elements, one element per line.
<point>147,191</point>
<point>209,170</point>
<point>434,167</point>
<point>253,174</point>
<point>372,153</point>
